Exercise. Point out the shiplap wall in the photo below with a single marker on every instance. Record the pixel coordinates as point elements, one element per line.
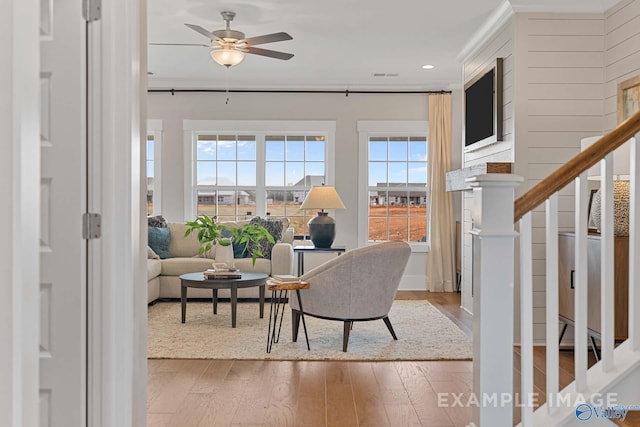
<point>622,56</point>
<point>498,46</point>
<point>560,76</point>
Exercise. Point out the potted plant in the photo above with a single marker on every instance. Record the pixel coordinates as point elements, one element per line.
<point>210,233</point>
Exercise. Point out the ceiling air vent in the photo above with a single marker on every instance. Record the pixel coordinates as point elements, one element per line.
<point>386,74</point>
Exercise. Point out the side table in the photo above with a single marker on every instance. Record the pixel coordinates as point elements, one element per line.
<point>301,250</point>
<point>279,293</point>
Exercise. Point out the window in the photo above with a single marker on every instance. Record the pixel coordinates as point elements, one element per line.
<point>238,169</point>
<point>153,160</point>
<point>225,175</point>
<point>393,201</point>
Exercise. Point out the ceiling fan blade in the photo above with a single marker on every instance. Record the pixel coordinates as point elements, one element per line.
<point>179,44</point>
<point>199,29</point>
<point>267,38</point>
<point>269,53</point>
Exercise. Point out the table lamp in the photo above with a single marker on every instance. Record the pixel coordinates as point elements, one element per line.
<point>621,176</point>
<point>322,228</point>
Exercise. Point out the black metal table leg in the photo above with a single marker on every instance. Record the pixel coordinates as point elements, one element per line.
<point>304,325</point>
<point>269,340</point>
<point>281,303</point>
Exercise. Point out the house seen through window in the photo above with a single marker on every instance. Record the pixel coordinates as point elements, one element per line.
<point>397,188</point>
<point>238,176</point>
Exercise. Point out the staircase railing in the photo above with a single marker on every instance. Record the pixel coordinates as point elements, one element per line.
<point>494,213</point>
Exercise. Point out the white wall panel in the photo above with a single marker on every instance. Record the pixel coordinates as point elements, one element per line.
<point>550,139</point>
<point>560,78</point>
<point>621,14</point>
<point>565,75</point>
<point>568,43</point>
<point>558,25</point>
<point>565,91</point>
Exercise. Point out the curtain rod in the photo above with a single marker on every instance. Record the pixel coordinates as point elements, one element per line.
<point>346,92</point>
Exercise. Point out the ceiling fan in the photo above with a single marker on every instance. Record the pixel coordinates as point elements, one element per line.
<point>229,46</point>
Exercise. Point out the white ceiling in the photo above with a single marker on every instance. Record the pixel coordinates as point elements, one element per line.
<point>338,44</point>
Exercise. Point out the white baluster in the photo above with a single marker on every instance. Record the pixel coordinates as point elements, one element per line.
<point>552,255</point>
<point>580,350</point>
<point>606,266</point>
<point>526,319</point>
<point>493,273</point>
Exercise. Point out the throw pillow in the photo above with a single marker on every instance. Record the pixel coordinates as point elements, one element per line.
<point>151,254</point>
<point>156,221</point>
<point>159,241</point>
<point>273,226</point>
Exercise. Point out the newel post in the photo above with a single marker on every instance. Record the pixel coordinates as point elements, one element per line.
<point>493,301</point>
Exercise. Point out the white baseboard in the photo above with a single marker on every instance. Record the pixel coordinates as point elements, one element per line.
<point>416,282</point>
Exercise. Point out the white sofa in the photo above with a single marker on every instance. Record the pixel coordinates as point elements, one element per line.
<point>163,274</point>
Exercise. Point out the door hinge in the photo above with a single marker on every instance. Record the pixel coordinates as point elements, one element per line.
<point>91,10</point>
<point>91,226</point>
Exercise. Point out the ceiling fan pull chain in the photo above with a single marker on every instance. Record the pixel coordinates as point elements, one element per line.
<point>227,84</point>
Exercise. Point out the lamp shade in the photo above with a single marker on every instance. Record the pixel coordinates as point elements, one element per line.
<point>322,228</point>
<point>323,197</point>
<point>227,57</point>
<point>620,160</point>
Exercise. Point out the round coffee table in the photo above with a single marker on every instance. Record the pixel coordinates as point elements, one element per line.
<point>197,280</point>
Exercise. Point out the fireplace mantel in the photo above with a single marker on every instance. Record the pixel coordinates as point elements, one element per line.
<point>456,179</point>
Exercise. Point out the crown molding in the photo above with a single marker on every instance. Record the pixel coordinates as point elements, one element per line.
<point>488,28</point>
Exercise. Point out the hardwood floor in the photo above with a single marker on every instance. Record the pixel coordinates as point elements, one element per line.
<point>292,393</point>
<point>300,393</point>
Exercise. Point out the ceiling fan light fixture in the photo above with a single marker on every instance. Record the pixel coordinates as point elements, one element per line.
<point>227,57</point>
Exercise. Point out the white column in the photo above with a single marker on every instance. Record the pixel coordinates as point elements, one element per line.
<point>493,276</point>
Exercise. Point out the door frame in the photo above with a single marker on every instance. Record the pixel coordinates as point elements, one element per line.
<point>19,249</point>
<point>117,261</point>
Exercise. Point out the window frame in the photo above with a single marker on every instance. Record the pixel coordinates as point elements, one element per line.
<point>260,129</point>
<point>155,128</point>
<point>384,128</point>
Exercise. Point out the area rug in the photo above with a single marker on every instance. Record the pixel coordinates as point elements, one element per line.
<point>424,333</point>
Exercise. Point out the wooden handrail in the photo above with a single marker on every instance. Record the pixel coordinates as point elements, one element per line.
<point>574,167</point>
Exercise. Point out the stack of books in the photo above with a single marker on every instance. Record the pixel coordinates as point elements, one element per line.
<point>222,274</point>
<point>284,278</point>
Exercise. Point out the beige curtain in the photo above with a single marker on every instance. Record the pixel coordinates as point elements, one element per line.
<point>441,257</point>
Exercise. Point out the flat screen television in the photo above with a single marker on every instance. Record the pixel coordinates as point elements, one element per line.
<point>483,107</point>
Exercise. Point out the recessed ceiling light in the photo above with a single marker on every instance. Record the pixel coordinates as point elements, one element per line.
<point>428,67</point>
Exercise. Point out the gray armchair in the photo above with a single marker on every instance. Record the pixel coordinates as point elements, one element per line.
<point>357,286</point>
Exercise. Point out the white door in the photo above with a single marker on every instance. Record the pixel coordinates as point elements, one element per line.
<point>63,255</point>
